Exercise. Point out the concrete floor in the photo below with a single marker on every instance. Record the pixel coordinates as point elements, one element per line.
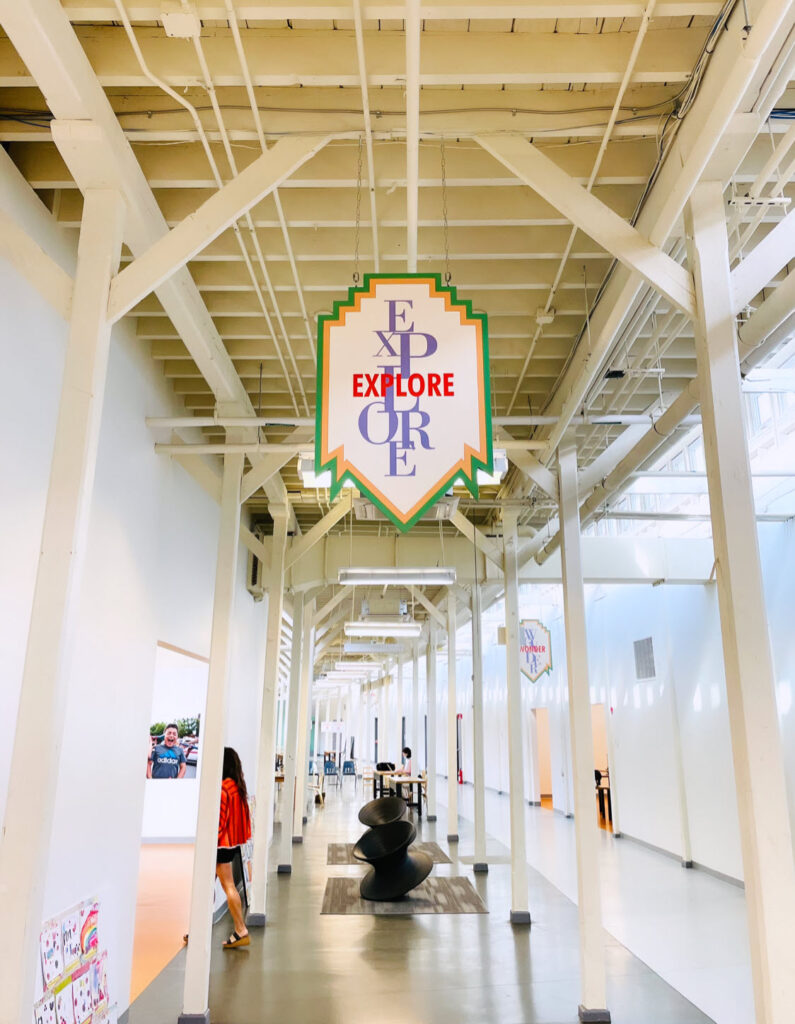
<point>435,969</point>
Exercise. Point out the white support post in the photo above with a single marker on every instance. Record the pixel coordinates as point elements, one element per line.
<point>765,834</point>
<point>293,708</point>
<point>589,901</point>
<point>266,761</point>
<point>414,735</point>
<point>520,907</point>
<point>304,725</point>
<point>452,725</point>
<point>480,864</point>
<point>27,827</point>
<point>383,729</point>
<point>399,708</point>
<point>316,731</point>
<point>359,748</point>
<point>196,991</point>
<point>430,685</point>
<point>336,736</point>
<point>532,758</point>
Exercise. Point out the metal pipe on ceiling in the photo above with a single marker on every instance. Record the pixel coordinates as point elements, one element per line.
<point>368,131</point>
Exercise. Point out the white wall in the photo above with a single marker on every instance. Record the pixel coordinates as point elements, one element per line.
<point>149,573</point>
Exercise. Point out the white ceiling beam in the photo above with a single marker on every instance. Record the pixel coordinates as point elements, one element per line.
<point>593,217</point>
<point>530,467</point>
<point>289,59</point>
<point>449,10</point>
<point>413,35</point>
<point>766,259</point>
<point>337,511</point>
<point>49,279</point>
<point>45,41</point>
<point>484,544</point>
<point>776,310</point>
<point>173,250</point>
<point>742,77</point>
<point>261,474</point>
<point>325,610</point>
<point>429,607</point>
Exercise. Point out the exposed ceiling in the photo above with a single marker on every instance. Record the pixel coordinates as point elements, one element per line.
<point>601,90</point>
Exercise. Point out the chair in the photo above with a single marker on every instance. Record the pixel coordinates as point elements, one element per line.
<point>330,771</point>
<point>349,768</point>
<point>382,811</point>
<point>393,870</point>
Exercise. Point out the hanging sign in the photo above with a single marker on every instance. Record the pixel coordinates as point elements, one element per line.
<point>403,402</point>
<point>535,649</point>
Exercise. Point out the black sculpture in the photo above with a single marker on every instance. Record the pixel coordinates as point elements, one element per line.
<point>385,847</point>
<point>382,811</point>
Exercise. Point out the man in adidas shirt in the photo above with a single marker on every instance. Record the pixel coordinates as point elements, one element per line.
<point>167,760</point>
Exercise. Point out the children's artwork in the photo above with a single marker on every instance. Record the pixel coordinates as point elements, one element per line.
<point>70,930</point>
<point>64,1009</point>
<point>51,952</point>
<point>44,1010</point>
<point>81,994</point>
<point>99,980</point>
<point>89,918</point>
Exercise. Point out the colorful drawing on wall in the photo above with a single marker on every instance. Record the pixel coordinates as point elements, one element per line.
<point>99,981</point>
<point>64,1010</point>
<point>89,918</point>
<point>44,1010</point>
<point>51,944</point>
<point>82,1002</point>
<point>70,931</point>
<point>535,649</point>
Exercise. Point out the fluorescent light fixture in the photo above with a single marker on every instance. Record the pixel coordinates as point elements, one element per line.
<point>424,576</point>
<point>354,648</point>
<point>357,666</point>
<point>386,627</point>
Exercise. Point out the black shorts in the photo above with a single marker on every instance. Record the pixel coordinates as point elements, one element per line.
<point>225,854</point>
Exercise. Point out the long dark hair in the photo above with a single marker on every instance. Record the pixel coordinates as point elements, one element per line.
<point>233,770</point>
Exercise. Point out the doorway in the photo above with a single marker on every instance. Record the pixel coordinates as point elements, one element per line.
<point>604,806</point>
<point>544,757</point>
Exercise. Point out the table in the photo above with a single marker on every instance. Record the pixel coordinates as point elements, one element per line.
<point>408,780</point>
<point>378,782</point>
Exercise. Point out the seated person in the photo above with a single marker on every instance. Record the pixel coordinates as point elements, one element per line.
<point>405,763</point>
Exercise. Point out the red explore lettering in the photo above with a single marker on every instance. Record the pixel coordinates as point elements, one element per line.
<point>434,385</point>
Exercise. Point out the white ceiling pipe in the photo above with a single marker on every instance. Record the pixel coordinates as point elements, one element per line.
<point>232,18</point>
<point>133,40</point>
<point>368,131</point>
<point>413,29</point>
<point>210,88</point>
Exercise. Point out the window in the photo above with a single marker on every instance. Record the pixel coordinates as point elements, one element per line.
<point>644,659</point>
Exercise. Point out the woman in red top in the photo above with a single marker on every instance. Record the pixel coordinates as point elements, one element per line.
<point>234,829</point>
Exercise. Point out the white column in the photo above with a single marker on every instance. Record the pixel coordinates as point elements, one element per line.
<point>520,907</point>
<point>337,736</point>
<point>26,833</point>
<point>316,733</point>
<point>532,757</point>
<point>452,725</point>
<point>368,721</point>
<point>327,738</point>
<point>383,729</point>
<point>750,681</point>
<point>399,728</point>
<point>430,677</point>
<point>480,864</point>
<point>195,999</point>
<point>361,753</point>
<point>304,724</point>
<point>589,901</point>
<point>416,731</point>
<point>266,760</point>
<point>292,712</point>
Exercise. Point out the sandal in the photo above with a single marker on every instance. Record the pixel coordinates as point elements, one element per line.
<point>236,940</point>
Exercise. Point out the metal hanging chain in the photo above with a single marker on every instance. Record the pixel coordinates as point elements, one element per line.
<point>446,227</point>
<point>357,227</point>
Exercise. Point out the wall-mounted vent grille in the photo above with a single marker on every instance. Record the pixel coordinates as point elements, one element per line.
<point>644,659</point>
